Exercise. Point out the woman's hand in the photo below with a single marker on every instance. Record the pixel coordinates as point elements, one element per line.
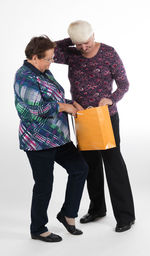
<point>69,108</point>
<point>105,101</point>
<point>77,106</point>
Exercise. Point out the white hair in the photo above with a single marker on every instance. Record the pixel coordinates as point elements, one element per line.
<point>80,31</point>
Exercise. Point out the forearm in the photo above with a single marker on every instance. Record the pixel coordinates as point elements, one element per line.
<point>64,43</point>
<point>61,52</point>
<point>45,109</point>
<point>27,111</point>
<point>119,75</point>
<point>119,93</point>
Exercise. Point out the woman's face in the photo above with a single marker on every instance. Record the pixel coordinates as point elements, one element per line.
<point>44,63</point>
<point>86,47</point>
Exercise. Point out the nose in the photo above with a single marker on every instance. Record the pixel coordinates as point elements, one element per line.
<point>83,47</point>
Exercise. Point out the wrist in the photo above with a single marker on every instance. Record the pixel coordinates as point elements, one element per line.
<point>112,102</point>
<point>61,106</point>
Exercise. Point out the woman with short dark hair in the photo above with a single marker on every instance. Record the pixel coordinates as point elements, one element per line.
<point>44,136</point>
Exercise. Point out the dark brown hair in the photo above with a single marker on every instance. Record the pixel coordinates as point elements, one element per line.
<point>38,46</point>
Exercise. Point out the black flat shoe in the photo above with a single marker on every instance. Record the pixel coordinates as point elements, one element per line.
<point>122,228</point>
<point>91,217</point>
<point>50,238</point>
<point>71,228</point>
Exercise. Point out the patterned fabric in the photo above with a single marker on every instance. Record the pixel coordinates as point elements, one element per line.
<point>37,94</point>
<point>92,79</point>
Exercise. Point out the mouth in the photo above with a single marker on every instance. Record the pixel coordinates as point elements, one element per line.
<point>84,50</point>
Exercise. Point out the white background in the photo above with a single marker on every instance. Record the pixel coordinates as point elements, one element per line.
<point>125,26</point>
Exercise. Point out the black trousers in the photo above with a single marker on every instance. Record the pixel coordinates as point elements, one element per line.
<point>117,179</point>
<point>42,164</point>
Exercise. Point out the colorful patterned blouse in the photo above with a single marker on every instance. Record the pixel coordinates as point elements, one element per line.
<point>92,79</point>
<point>37,94</point>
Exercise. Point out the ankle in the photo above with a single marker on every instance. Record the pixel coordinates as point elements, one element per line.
<point>70,221</point>
<point>45,234</point>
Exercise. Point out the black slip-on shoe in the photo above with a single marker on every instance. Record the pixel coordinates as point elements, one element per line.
<point>70,228</point>
<point>91,217</point>
<point>122,228</point>
<point>50,238</point>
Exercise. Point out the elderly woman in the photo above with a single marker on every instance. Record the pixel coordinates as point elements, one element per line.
<point>44,136</point>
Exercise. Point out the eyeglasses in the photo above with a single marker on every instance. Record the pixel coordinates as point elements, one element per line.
<point>49,60</point>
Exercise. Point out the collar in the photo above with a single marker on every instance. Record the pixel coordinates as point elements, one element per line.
<point>33,68</point>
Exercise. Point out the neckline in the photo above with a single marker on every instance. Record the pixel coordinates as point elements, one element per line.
<point>100,46</point>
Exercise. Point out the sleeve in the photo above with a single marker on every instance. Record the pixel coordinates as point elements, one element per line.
<point>120,77</point>
<point>69,101</point>
<point>61,53</point>
<point>29,101</point>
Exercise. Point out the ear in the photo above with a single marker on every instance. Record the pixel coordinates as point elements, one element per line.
<point>34,58</point>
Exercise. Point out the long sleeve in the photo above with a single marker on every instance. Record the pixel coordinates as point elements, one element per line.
<point>29,102</point>
<point>37,97</point>
<point>62,51</point>
<point>120,77</point>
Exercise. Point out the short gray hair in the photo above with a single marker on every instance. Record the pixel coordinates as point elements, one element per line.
<point>80,31</point>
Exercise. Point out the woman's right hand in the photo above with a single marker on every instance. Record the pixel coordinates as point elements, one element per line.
<point>69,108</point>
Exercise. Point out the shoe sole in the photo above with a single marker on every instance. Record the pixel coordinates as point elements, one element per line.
<point>40,239</point>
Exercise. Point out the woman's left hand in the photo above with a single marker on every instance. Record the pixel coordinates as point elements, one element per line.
<point>77,106</point>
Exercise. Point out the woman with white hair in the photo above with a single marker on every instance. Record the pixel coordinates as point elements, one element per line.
<point>93,67</point>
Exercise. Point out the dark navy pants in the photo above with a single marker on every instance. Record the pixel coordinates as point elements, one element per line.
<point>42,164</point>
